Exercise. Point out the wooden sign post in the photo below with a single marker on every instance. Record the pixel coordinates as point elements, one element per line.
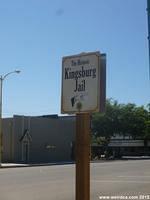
<point>82,156</point>
<point>83,92</point>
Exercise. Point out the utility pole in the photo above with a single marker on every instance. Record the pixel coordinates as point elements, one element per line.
<point>148,15</point>
<point>1,135</point>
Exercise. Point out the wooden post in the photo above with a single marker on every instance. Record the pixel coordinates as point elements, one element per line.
<point>82,156</point>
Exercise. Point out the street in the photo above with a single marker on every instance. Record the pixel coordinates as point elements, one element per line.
<point>57,182</point>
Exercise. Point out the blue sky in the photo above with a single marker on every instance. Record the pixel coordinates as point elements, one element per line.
<point>36,34</point>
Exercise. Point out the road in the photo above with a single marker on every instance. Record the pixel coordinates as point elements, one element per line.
<point>108,179</point>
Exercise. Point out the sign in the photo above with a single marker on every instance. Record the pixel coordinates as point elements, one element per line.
<point>81,83</point>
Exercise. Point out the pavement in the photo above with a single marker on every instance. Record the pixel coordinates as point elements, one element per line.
<point>125,179</point>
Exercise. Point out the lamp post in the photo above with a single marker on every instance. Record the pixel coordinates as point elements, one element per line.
<point>2,78</point>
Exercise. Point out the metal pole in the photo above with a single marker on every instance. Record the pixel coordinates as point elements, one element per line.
<point>1,130</point>
<point>82,156</point>
<point>148,15</point>
<point>2,78</point>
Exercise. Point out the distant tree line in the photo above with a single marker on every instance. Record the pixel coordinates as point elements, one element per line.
<point>121,119</point>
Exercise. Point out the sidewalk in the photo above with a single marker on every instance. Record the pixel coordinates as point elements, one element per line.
<point>14,165</point>
<point>10,165</point>
<point>136,157</point>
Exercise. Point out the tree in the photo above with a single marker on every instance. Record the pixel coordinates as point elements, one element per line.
<point>133,120</point>
<point>123,119</point>
<point>106,124</point>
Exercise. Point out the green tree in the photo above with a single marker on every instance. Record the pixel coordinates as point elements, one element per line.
<point>133,120</point>
<point>124,119</point>
<point>107,124</point>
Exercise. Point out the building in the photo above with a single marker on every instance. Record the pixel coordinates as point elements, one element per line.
<point>39,139</point>
<point>51,138</point>
<point>120,146</point>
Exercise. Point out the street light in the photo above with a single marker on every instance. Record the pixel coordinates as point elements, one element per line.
<point>2,78</point>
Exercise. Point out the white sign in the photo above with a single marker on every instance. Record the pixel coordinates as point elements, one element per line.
<point>81,83</point>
